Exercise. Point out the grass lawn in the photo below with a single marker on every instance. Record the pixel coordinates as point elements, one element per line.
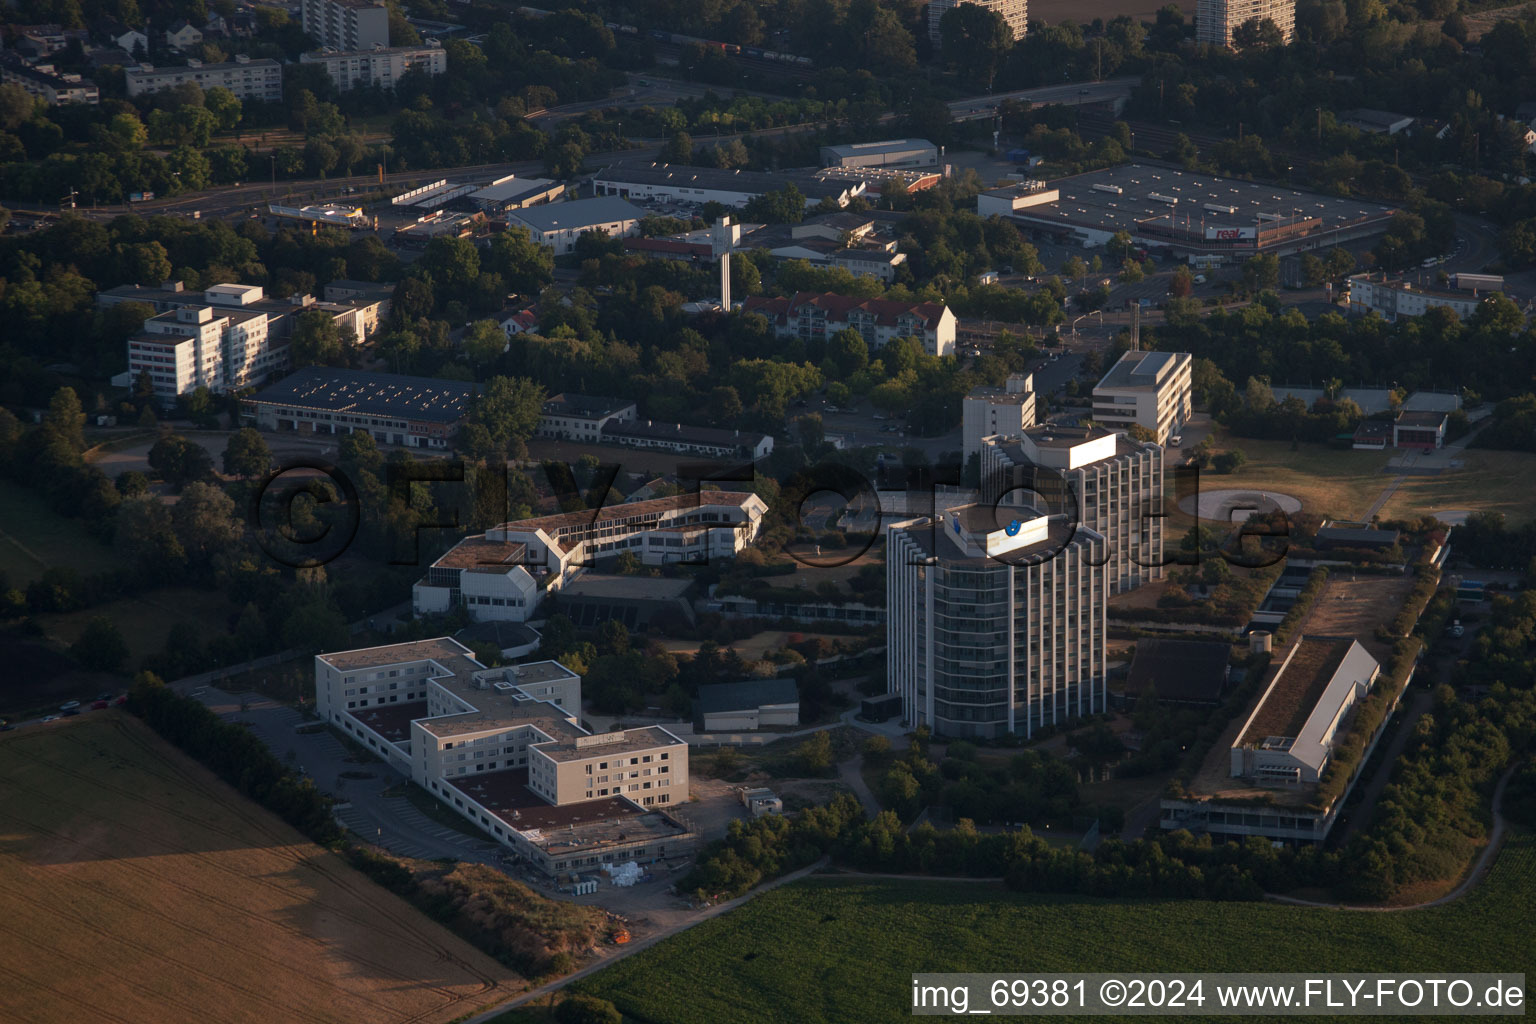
<point>1492,481</point>
<point>844,951</point>
<point>146,619</point>
<point>136,887</point>
<point>34,538</point>
<point>1326,480</point>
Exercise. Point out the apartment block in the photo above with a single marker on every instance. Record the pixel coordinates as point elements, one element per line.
<point>503,574</point>
<point>504,748</point>
<point>1147,389</point>
<point>1014,12</point>
<point>347,24</point>
<point>200,346</point>
<point>383,67</point>
<point>1217,20</point>
<point>1109,482</point>
<point>810,316</point>
<point>986,412</point>
<point>53,87</point>
<point>259,80</point>
<point>995,625</point>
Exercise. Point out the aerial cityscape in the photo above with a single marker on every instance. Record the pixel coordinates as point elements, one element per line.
<point>661,512</point>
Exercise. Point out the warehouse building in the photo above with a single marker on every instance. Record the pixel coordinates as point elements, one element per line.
<point>418,412</point>
<point>748,705</point>
<point>1190,214</point>
<point>684,183</point>
<point>559,225</point>
<point>891,153</point>
<point>514,193</point>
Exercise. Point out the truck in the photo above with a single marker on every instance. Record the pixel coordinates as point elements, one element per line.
<point>1017,156</point>
<point>1478,282</point>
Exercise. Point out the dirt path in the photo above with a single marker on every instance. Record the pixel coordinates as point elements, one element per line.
<point>1479,868</point>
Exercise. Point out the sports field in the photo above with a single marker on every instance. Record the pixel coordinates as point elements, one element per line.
<point>844,951</point>
<point>135,887</point>
<point>34,538</point>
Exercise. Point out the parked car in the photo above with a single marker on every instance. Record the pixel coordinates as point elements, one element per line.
<point>69,706</point>
<point>122,699</point>
<point>99,705</point>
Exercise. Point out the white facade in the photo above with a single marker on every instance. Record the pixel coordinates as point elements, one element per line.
<point>352,69</point>
<point>1217,20</point>
<point>986,412</point>
<point>55,88</point>
<point>819,317</point>
<point>199,346</point>
<point>559,225</point>
<point>1014,12</point>
<point>260,80</point>
<point>1112,484</point>
<point>347,24</point>
<point>573,417</point>
<point>995,628</point>
<point>1149,389</point>
<point>1393,299</point>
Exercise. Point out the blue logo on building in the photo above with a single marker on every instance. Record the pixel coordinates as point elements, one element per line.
<point>1014,528</point>
<point>956,524</point>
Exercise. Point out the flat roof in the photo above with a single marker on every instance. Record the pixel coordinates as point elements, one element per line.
<point>506,794</point>
<point>684,434</point>
<point>592,407</point>
<point>1420,418</point>
<point>887,146</point>
<point>376,394</point>
<point>1179,670</point>
<point>626,741</point>
<point>478,554</point>
<point>747,695</point>
<point>441,649</point>
<point>594,519</point>
<point>578,213</point>
<point>1082,204</point>
<point>635,588</point>
<point>392,721</point>
<point>714,179</point>
<point>516,188</point>
<point>1060,534</point>
<point>1141,369</point>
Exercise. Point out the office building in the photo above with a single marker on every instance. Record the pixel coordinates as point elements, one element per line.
<point>382,67</point>
<point>683,183</point>
<point>1014,12</point>
<point>749,705</point>
<point>559,225</point>
<point>1146,389</point>
<point>259,80</point>
<point>347,24</point>
<point>356,315</point>
<point>418,412</point>
<point>504,573</point>
<point>505,749</point>
<point>995,627</point>
<point>572,417</point>
<point>1006,411</point>
<point>1217,20</point>
<point>200,346</point>
<point>891,153</point>
<point>1104,480</point>
<point>53,87</point>
<point>810,316</point>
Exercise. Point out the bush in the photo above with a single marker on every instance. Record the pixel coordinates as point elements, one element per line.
<point>577,1009</point>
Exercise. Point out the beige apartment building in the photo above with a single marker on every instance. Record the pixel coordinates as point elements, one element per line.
<point>1147,389</point>
<point>648,766</point>
<point>1014,12</point>
<point>1217,20</point>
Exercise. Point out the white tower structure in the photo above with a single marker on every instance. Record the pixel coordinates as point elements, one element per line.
<point>723,241</point>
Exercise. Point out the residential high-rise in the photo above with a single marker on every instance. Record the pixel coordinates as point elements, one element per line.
<point>200,346</point>
<point>359,69</point>
<point>1147,389</point>
<point>995,624</point>
<point>1014,12</point>
<point>1109,482</point>
<point>1217,20</point>
<point>347,24</point>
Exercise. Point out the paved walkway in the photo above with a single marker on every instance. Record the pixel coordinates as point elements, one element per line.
<point>852,775</point>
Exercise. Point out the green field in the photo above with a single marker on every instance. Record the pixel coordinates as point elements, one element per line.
<point>34,538</point>
<point>844,951</point>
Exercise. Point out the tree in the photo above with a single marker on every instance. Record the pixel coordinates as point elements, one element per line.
<point>101,646</point>
<point>179,461</point>
<point>247,455</point>
<point>975,40</point>
<point>67,418</point>
<point>1261,272</point>
<point>580,1009</point>
<point>815,754</point>
<point>1257,34</point>
<point>316,340</point>
<point>483,342</point>
<point>524,265</point>
<point>502,419</point>
<point>847,354</point>
<point>678,150</point>
<point>205,523</point>
<point>223,105</point>
<point>783,206</point>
